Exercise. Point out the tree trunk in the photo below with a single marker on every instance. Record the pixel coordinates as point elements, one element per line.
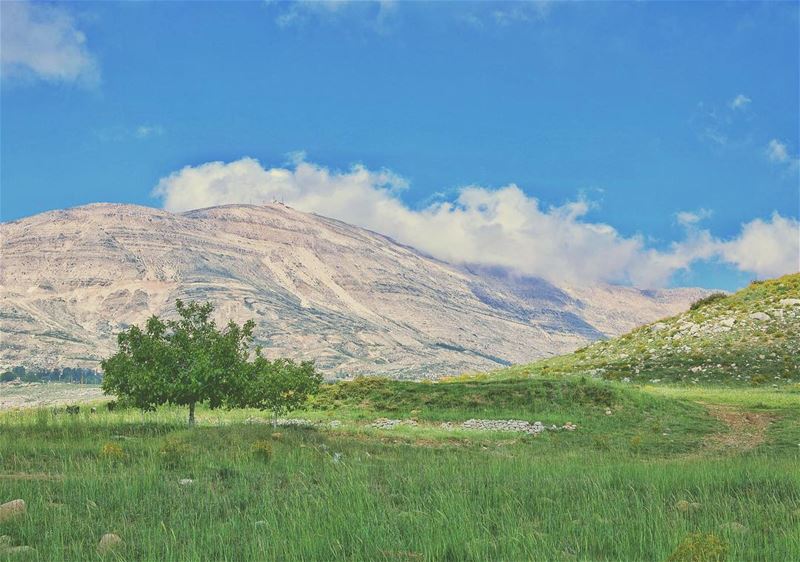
<point>191,414</point>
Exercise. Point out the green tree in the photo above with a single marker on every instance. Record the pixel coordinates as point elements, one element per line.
<point>280,386</point>
<point>189,360</point>
<point>184,361</point>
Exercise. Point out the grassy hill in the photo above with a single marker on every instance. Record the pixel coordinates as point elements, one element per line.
<point>750,337</point>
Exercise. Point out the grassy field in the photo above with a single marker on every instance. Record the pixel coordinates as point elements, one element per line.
<point>651,473</point>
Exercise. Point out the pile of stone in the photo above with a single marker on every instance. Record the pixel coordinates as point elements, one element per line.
<point>505,425</point>
<point>521,426</point>
<point>386,423</point>
<point>282,422</point>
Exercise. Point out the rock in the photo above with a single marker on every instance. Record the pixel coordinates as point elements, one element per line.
<point>17,551</point>
<point>760,316</point>
<point>658,326</point>
<point>682,505</point>
<point>505,425</point>
<point>260,524</point>
<point>185,481</point>
<point>385,423</point>
<point>789,302</point>
<point>735,527</point>
<point>608,411</point>
<point>12,509</point>
<point>686,506</point>
<point>728,322</point>
<point>108,542</point>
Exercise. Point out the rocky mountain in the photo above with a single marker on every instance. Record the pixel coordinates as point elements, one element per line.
<point>354,301</point>
<point>751,337</point>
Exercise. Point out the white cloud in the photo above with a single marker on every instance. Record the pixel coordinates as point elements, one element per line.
<point>690,218</point>
<point>530,10</point>
<point>767,248</point>
<point>146,131</point>
<point>41,41</point>
<point>502,227</point>
<point>371,12</point>
<point>740,102</point>
<point>778,152</point>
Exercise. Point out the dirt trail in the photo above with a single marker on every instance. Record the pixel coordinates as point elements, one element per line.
<point>746,430</point>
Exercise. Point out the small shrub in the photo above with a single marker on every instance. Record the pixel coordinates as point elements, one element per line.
<point>112,452</point>
<point>175,454</point>
<point>700,547</point>
<point>705,301</point>
<point>262,450</point>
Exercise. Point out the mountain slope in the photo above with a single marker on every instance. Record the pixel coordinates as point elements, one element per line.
<point>354,301</point>
<point>750,337</point>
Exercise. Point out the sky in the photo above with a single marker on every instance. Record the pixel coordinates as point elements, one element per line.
<point>645,143</point>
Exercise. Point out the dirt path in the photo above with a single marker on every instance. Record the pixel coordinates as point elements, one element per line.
<point>746,430</point>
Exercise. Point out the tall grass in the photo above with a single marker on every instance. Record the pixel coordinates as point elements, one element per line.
<point>359,496</point>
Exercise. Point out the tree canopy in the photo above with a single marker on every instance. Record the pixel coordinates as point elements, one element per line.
<point>189,360</point>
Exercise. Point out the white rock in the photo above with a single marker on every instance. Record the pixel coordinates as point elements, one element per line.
<point>789,302</point>
<point>11,510</point>
<point>760,316</point>
<point>185,481</point>
<point>108,542</point>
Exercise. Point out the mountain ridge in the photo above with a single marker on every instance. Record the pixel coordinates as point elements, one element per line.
<point>354,300</point>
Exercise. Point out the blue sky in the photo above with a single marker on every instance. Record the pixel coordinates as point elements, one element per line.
<point>619,115</point>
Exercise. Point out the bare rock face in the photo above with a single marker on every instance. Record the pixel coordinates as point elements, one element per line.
<point>352,300</point>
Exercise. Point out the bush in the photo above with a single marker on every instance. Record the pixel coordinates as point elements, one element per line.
<point>700,547</point>
<point>262,450</point>
<point>175,454</point>
<point>112,452</point>
<point>705,301</point>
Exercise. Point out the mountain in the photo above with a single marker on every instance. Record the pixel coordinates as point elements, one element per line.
<point>352,300</point>
<point>751,337</point>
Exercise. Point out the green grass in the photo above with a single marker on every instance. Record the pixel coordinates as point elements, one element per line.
<point>632,485</point>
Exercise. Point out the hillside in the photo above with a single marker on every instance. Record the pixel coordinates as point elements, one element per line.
<point>751,337</point>
<point>352,300</point>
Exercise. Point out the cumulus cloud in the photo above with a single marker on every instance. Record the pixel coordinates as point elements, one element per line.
<point>42,42</point>
<point>501,227</point>
<point>740,102</point>
<point>767,248</point>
